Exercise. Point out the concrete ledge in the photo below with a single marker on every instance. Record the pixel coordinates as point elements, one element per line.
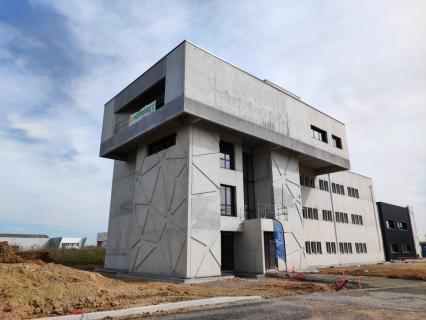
<point>150,277</point>
<point>138,311</point>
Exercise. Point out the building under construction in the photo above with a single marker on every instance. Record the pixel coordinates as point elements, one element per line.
<point>218,171</point>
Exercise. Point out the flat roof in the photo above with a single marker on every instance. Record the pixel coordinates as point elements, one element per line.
<point>265,81</point>
<point>22,235</point>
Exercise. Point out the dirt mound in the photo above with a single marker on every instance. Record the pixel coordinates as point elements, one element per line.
<point>34,290</point>
<point>7,255</point>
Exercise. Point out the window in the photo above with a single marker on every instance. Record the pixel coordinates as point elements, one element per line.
<point>315,214</point>
<point>352,192</point>
<point>310,213</point>
<point>248,181</point>
<point>227,200</point>
<point>337,142</point>
<point>326,215</point>
<point>342,217</point>
<point>323,185</point>
<point>330,247</point>
<point>319,248</point>
<point>308,247</point>
<point>338,188</point>
<point>313,247</point>
<point>345,247</point>
<point>402,226</point>
<point>226,155</point>
<point>356,219</point>
<point>394,248</point>
<point>319,134</point>
<point>162,144</point>
<point>307,181</point>
<point>361,247</point>
<point>390,224</point>
<point>406,248</point>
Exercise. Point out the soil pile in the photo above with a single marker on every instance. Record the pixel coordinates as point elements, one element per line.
<point>33,290</point>
<point>7,255</point>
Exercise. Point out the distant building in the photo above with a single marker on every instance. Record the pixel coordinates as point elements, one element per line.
<point>67,243</point>
<point>101,239</point>
<point>27,242</point>
<point>399,232</point>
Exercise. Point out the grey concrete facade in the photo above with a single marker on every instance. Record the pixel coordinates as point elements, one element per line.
<point>165,214</point>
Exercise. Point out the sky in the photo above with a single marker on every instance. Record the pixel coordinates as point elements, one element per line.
<point>362,62</point>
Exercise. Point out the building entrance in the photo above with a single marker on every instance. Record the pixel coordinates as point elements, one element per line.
<point>227,251</point>
<point>270,251</point>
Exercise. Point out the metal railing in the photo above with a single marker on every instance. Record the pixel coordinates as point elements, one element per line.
<point>265,211</point>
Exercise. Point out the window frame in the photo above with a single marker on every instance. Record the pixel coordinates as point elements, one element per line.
<point>224,202</point>
<point>319,134</point>
<point>161,144</point>
<point>337,142</point>
<point>226,150</point>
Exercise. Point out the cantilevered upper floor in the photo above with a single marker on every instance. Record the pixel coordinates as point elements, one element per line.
<point>190,83</point>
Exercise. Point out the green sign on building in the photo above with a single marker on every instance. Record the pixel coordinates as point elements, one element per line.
<point>135,117</point>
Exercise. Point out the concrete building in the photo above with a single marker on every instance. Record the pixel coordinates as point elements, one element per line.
<point>101,239</point>
<point>208,167</point>
<point>400,239</point>
<point>28,242</point>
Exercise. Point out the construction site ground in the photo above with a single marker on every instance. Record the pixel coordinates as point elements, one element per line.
<point>409,269</point>
<point>32,289</point>
<point>36,289</point>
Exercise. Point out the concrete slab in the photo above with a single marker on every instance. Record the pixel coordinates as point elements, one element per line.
<point>138,311</point>
<point>148,277</point>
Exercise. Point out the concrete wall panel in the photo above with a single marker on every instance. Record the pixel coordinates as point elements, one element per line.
<point>159,220</point>
<point>204,257</point>
<point>287,196</point>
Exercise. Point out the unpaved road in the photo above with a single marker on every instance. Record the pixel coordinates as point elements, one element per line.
<point>381,303</point>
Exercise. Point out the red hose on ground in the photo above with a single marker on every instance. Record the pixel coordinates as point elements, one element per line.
<point>340,285</point>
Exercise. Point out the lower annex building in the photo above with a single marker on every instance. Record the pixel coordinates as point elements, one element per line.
<point>218,171</point>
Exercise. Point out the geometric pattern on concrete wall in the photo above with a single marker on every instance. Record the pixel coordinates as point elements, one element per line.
<point>286,184</point>
<point>205,256</point>
<point>159,224</point>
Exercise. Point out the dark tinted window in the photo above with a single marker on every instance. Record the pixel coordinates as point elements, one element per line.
<point>226,155</point>
<point>162,144</point>
<point>319,134</point>
<point>227,200</point>
<point>337,142</point>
